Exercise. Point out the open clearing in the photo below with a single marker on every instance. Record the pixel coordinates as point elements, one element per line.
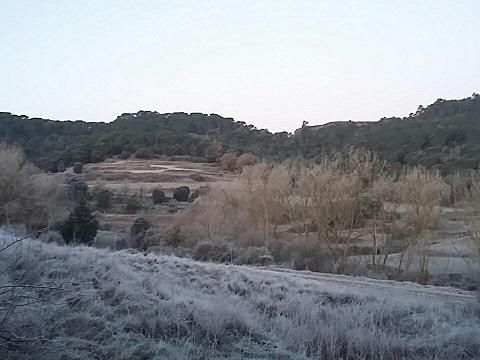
<point>139,177</point>
<point>134,174</point>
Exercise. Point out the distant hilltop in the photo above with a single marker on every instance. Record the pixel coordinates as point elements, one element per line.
<point>445,134</point>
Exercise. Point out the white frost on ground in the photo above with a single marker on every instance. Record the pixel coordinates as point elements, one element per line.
<point>89,303</point>
<point>449,256</point>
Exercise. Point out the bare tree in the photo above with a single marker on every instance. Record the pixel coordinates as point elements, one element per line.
<point>35,201</point>
<point>265,190</point>
<point>27,196</point>
<point>421,192</point>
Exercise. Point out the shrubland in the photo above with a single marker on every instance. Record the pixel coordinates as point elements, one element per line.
<point>325,215</point>
<point>78,302</point>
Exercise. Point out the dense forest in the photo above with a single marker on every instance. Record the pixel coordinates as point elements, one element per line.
<point>445,134</point>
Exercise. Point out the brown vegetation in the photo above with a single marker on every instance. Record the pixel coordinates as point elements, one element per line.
<point>341,207</point>
<point>230,161</point>
<point>27,196</point>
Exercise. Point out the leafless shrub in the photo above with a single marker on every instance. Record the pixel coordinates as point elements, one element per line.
<point>173,236</point>
<point>328,203</point>
<point>252,255</point>
<point>263,194</point>
<point>27,196</point>
<point>421,193</point>
<point>228,161</point>
<point>333,198</point>
<point>472,220</point>
<point>246,159</point>
<point>215,251</point>
<point>215,217</point>
<point>35,201</point>
<point>458,188</point>
<point>214,151</point>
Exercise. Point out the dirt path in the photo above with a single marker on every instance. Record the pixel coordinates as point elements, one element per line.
<point>382,289</point>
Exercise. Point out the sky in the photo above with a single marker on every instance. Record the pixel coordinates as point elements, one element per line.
<point>271,63</point>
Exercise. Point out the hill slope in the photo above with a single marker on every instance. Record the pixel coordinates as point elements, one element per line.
<point>79,302</point>
<point>445,134</point>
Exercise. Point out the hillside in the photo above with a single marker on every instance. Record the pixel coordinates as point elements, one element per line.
<point>445,134</point>
<point>81,302</point>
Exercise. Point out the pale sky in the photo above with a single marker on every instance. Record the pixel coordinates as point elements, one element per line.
<point>271,63</point>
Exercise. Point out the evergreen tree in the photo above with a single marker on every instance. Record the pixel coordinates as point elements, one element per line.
<point>81,226</point>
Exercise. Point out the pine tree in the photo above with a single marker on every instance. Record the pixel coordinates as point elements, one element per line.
<point>81,226</point>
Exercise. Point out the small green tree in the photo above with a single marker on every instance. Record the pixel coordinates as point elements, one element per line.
<point>104,199</point>
<point>158,196</point>
<point>181,193</point>
<point>81,226</point>
<point>77,190</point>
<point>144,153</point>
<point>61,166</point>
<point>138,232</point>
<point>78,168</point>
<point>140,225</point>
<point>133,204</point>
<point>125,154</point>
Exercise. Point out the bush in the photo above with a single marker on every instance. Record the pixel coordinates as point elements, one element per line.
<point>140,225</point>
<point>174,237</point>
<point>212,251</point>
<point>61,166</point>
<point>144,153</point>
<point>27,196</point>
<point>77,189</point>
<point>158,196</point>
<point>246,159</point>
<point>172,208</point>
<point>308,256</point>
<point>214,151</point>
<point>80,227</point>
<point>133,204</point>
<point>78,168</point>
<point>104,199</point>
<point>228,162</point>
<point>125,155</point>
<point>138,232</point>
<point>253,255</point>
<point>181,193</point>
<point>53,236</point>
<point>194,195</point>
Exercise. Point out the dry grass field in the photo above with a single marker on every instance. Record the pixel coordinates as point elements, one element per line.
<point>86,303</point>
<point>139,177</point>
<point>136,175</point>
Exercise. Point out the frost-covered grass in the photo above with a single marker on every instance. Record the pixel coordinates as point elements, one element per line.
<point>86,303</point>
